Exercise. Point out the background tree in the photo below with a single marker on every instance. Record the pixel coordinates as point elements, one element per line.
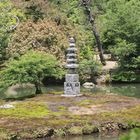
<point>31,67</point>
<point>42,36</point>
<point>9,16</point>
<point>120,33</point>
<point>91,17</point>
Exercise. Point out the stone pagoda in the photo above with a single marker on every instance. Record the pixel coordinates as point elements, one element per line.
<point>72,84</point>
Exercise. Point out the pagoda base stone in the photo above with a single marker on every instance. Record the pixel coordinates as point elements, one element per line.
<point>71,88</point>
<point>78,95</point>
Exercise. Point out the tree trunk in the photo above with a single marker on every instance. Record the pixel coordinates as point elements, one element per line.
<point>95,33</point>
<point>38,88</point>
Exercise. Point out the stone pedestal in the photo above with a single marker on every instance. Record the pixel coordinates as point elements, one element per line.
<point>72,88</point>
<point>72,84</point>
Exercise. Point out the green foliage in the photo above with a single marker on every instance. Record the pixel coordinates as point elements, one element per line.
<point>8,20</point>
<point>89,68</point>
<point>42,36</point>
<point>120,32</point>
<point>133,135</point>
<point>30,68</point>
<point>33,10</point>
<point>7,13</point>
<point>117,22</point>
<point>124,76</point>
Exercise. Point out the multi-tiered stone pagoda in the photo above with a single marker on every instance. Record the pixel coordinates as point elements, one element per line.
<point>72,84</point>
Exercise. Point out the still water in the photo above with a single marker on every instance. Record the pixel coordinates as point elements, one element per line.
<point>115,136</point>
<point>131,90</point>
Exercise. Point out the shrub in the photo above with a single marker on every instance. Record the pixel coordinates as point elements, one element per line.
<point>32,67</point>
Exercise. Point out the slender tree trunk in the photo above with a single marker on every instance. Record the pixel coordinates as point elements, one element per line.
<point>95,33</point>
<point>38,88</point>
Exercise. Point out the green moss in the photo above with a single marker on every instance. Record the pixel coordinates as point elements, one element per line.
<point>56,93</point>
<point>85,102</point>
<point>62,108</point>
<point>58,122</point>
<point>43,132</point>
<point>4,135</point>
<point>75,130</point>
<point>89,129</point>
<point>26,109</point>
<point>26,134</point>
<point>35,113</point>
<point>125,115</point>
<point>59,132</point>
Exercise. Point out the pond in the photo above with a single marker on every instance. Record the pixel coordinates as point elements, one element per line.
<point>131,90</point>
<point>112,136</point>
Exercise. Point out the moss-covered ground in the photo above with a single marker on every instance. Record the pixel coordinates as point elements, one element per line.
<point>51,114</point>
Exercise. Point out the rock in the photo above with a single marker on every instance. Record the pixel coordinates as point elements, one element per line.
<point>75,130</point>
<point>88,85</point>
<point>89,129</point>
<point>59,132</point>
<point>43,132</point>
<point>107,56</point>
<point>12,91</point>
<point>101,80</point>
<point>7,106</point>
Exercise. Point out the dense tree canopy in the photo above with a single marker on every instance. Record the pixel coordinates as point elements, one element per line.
<point>47,25</point>
<point>121,33</point>
<point>44,36</point>
<point>9,18</point>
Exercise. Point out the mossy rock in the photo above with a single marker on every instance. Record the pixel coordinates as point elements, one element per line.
<point>75,130</point>
<point>4,136</point>
<point>59,132</point>
<point>43,132</point>
<point>89,129</point>
<point>27,134</point>
<point>137,124</point>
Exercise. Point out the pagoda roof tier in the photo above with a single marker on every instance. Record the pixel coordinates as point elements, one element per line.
<point>72,49</point>
<point>71,55</point>
<point>73,66</point>
<point>72,60</point>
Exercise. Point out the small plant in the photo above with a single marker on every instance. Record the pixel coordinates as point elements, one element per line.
<point>133,135</point>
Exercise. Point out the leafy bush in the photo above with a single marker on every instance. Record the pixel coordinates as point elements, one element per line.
<point>88,69</point>
<point>133,135</point>
<point>124,76</point>
<point>32,67</point>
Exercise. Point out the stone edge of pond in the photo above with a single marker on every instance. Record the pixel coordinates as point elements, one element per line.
<point>74,130</point>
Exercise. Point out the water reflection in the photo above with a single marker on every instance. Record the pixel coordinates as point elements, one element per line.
<point>132,90</point>
<point>109,136</point>
<point>89,137</point>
